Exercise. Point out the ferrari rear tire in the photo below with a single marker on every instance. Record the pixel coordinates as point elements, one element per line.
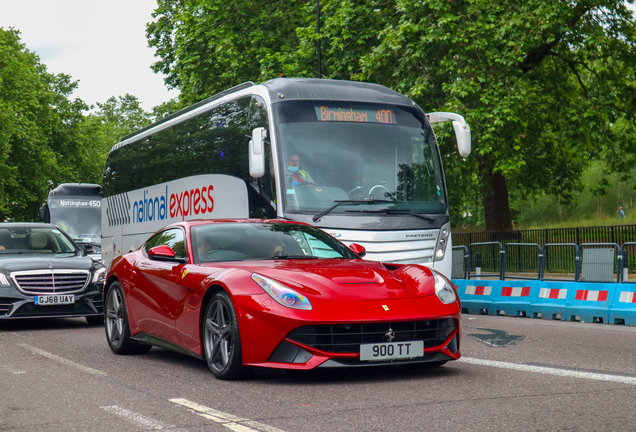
<point>222,338</point>
<point>117,328</point>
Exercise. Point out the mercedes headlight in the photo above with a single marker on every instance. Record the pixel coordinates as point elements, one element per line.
<point>3,280</point>
<point>281,293</point>
<point>100,275</point>
<point>443,288</point>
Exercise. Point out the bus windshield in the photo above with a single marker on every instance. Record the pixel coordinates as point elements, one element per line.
<point>359,157</point>
<point>80,218</point>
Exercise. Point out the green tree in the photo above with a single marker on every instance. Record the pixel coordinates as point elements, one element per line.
<point>42,141</point>
<point>118,117</point>
<point>540,83</point>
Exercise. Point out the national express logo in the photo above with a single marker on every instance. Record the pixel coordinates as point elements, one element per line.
<point>196,201</point>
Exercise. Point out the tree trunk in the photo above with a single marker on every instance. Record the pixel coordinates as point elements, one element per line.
<point>495,199</point>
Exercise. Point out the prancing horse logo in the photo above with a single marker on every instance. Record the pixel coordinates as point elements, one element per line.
<point>390,335</point>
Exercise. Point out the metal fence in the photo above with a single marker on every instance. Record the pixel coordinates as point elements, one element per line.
<point>588,262</point>
<point>619,234</point>
<point>558,263</point>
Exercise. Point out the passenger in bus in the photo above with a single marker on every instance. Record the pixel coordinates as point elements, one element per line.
<point>294,176</point>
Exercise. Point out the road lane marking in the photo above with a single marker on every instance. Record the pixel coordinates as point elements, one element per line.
<point>550,371</point>
<point>232,422</point>
<point>142,421</point>
<point>63,360</point>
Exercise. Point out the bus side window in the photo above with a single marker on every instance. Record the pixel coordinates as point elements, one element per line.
<point>263,189</point>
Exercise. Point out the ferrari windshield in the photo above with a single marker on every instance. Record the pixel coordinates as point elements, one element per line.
<point>17,240</point>
<point>350,152</point>
<point>257,241</point>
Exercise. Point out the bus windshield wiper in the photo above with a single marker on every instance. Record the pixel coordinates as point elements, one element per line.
<point>398,212</point>
<point>317,216</point>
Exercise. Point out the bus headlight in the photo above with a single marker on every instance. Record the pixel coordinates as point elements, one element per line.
<point>443,288</point>
<point>442,242</point>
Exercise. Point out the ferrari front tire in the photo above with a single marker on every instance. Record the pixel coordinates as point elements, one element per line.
<point>221,338</point>
<point>117,328</point>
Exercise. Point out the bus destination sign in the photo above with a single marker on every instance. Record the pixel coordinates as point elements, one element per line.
<point>327,113</point>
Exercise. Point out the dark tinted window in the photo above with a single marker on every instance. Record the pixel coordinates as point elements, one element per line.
<point>173,238</point>
<point>214,142</point>
<point>242,241</point>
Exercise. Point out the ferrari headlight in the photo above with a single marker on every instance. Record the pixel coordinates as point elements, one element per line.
<point>443,288</point>
<point>282,294</point>
<point>99,275</point>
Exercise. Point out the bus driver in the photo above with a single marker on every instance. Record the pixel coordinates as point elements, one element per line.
<point>294,176</point>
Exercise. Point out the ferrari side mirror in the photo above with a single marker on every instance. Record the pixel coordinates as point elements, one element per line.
<point>163,253</point>
<point>358,249</point>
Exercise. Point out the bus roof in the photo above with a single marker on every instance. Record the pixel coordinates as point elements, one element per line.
<point>282,89</point>
<point>76,190</point>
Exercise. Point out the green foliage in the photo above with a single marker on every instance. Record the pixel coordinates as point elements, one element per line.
<point>589,207</point>
<point>116,118</point>
<point>46,138</point>
<point>42,138</point>
<point>208,46</point>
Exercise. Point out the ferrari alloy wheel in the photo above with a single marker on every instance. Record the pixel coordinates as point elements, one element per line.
<point>117,328</point>
<point>221,338</point>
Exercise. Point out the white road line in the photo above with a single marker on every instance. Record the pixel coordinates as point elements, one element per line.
<point>551,371</point>
<point>147,423</point>
<point>232,422</point>
<point>63,360</point>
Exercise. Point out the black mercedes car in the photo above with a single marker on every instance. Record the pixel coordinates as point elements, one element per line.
<point>43,273</point>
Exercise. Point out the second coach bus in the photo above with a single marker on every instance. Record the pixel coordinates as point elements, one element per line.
<point>356,159</point>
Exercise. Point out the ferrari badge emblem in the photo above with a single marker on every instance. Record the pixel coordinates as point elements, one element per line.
<point>390,335</point>
<point>385,307</point>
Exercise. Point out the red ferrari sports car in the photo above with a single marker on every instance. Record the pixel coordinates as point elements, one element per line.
<point>276,294</point>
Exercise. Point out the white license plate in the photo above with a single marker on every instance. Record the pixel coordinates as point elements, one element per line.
<point>391,350</point>
<point>47,300</point>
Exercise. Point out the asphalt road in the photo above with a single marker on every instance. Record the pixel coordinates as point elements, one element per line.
<point>516,374</point>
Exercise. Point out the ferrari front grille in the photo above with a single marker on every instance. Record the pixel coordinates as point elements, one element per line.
<point>346,338</point>
<point>51,281</point>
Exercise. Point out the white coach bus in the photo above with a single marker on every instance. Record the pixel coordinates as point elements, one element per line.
<point>369,168</point>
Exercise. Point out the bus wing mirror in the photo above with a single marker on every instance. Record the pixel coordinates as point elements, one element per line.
<point>462,130</point>
<point>257,152</point>
<point>43,211</point>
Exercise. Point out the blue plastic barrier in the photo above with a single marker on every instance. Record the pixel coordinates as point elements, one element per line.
<point>476,295</point>
<point>515,298</point>
<point>624,305</point>
<point>612,303</point>
<point>590,301</point>
<point>552,299</point>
